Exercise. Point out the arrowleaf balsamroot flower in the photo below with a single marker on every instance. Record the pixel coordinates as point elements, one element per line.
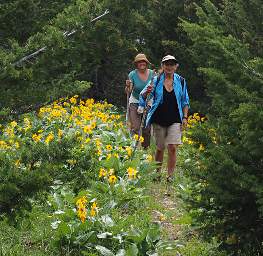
<point>49,138</point>
<point>112,179</point>
<point>36,137</point>
<point>129,151</point>
<point>81,208</point>
<point>109,147</point>
<point>138,138</point>
<point>102,173</point>
<point>132,173</point>
<point>94,209</point>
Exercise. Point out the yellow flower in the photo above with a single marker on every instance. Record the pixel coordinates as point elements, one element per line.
<point>81,208</point>
<point>94,209</point>
<point>87,129</point>
<point>132,173</point>
<point>17,145</point>
<point>49,138</point>
<point>201,147</point>
<point>66,104</point>
<point>60,133</point>
<point>82,214</point>
<point>109,147</point>
<point>99,152</point>
<point>149,158</point>
<point>87,140</point>
<point>36,137</point>
<point>184,139</point>
<point>136,136</point>
<point>129,151</point>
<point>73,100</point>
<point>190,142</point>
<point>112,179</point>
<point>55,113</point>
<point>27,124</point>
<point>162,217</point>
<point>98,142</point>
<point>141,139</point>
<point>13,124</point>
<point>93,125</point>
<point>102,173</point>
<point>116,155</point>
<point>3,144</point>
<point>81,201</point>
<point>72,161</point>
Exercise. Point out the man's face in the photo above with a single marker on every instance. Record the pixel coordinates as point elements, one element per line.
<point>141,65</point>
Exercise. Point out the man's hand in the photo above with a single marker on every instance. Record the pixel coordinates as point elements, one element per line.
<point>128,87</point>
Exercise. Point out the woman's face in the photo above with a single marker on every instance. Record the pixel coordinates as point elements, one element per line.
<point>169,67</point>
<point>141,65</point>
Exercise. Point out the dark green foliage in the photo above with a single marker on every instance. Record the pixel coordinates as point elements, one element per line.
<point>229,205</point>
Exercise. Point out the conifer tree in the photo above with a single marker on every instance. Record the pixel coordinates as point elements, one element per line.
<point>229,203</point>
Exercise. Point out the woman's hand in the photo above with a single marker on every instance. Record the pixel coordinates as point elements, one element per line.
<point>149,89</point>
<point>128,87</point>
<point>184,123</point>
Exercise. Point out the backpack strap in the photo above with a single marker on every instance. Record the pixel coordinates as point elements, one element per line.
<point>182,80</point>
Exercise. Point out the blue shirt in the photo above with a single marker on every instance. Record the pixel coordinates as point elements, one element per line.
<point>180,91</point>
<point>138,84</point>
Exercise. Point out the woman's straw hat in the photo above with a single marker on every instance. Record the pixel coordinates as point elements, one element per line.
<point>141,57</point>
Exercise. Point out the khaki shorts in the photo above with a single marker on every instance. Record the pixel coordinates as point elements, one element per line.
<point>167,135</point>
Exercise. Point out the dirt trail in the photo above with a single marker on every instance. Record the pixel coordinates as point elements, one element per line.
<point>166,211</point>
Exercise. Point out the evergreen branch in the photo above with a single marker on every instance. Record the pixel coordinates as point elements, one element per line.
<point>66,34</point>
<point>253,71</point>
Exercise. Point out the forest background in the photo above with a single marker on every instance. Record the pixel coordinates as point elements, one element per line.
<point>219,45</point>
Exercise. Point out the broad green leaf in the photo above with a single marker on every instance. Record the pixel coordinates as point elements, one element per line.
<point>133,250</point>
<point>104,235</point>
<point>153,234</point>
<point>121,252</point>
<point>104,251</point>
<point>107,220</point>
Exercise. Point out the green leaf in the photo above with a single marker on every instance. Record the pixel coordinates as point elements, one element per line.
<point>107,220</point>
<point>153,235</point>
<point>136,235</point>
<point>104,251</point>
<point>133,250</point>
<point>104,235</point>
<point>121,252</point>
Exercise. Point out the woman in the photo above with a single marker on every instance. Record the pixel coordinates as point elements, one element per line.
<point>138,79</point>
<point>169,111</point>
